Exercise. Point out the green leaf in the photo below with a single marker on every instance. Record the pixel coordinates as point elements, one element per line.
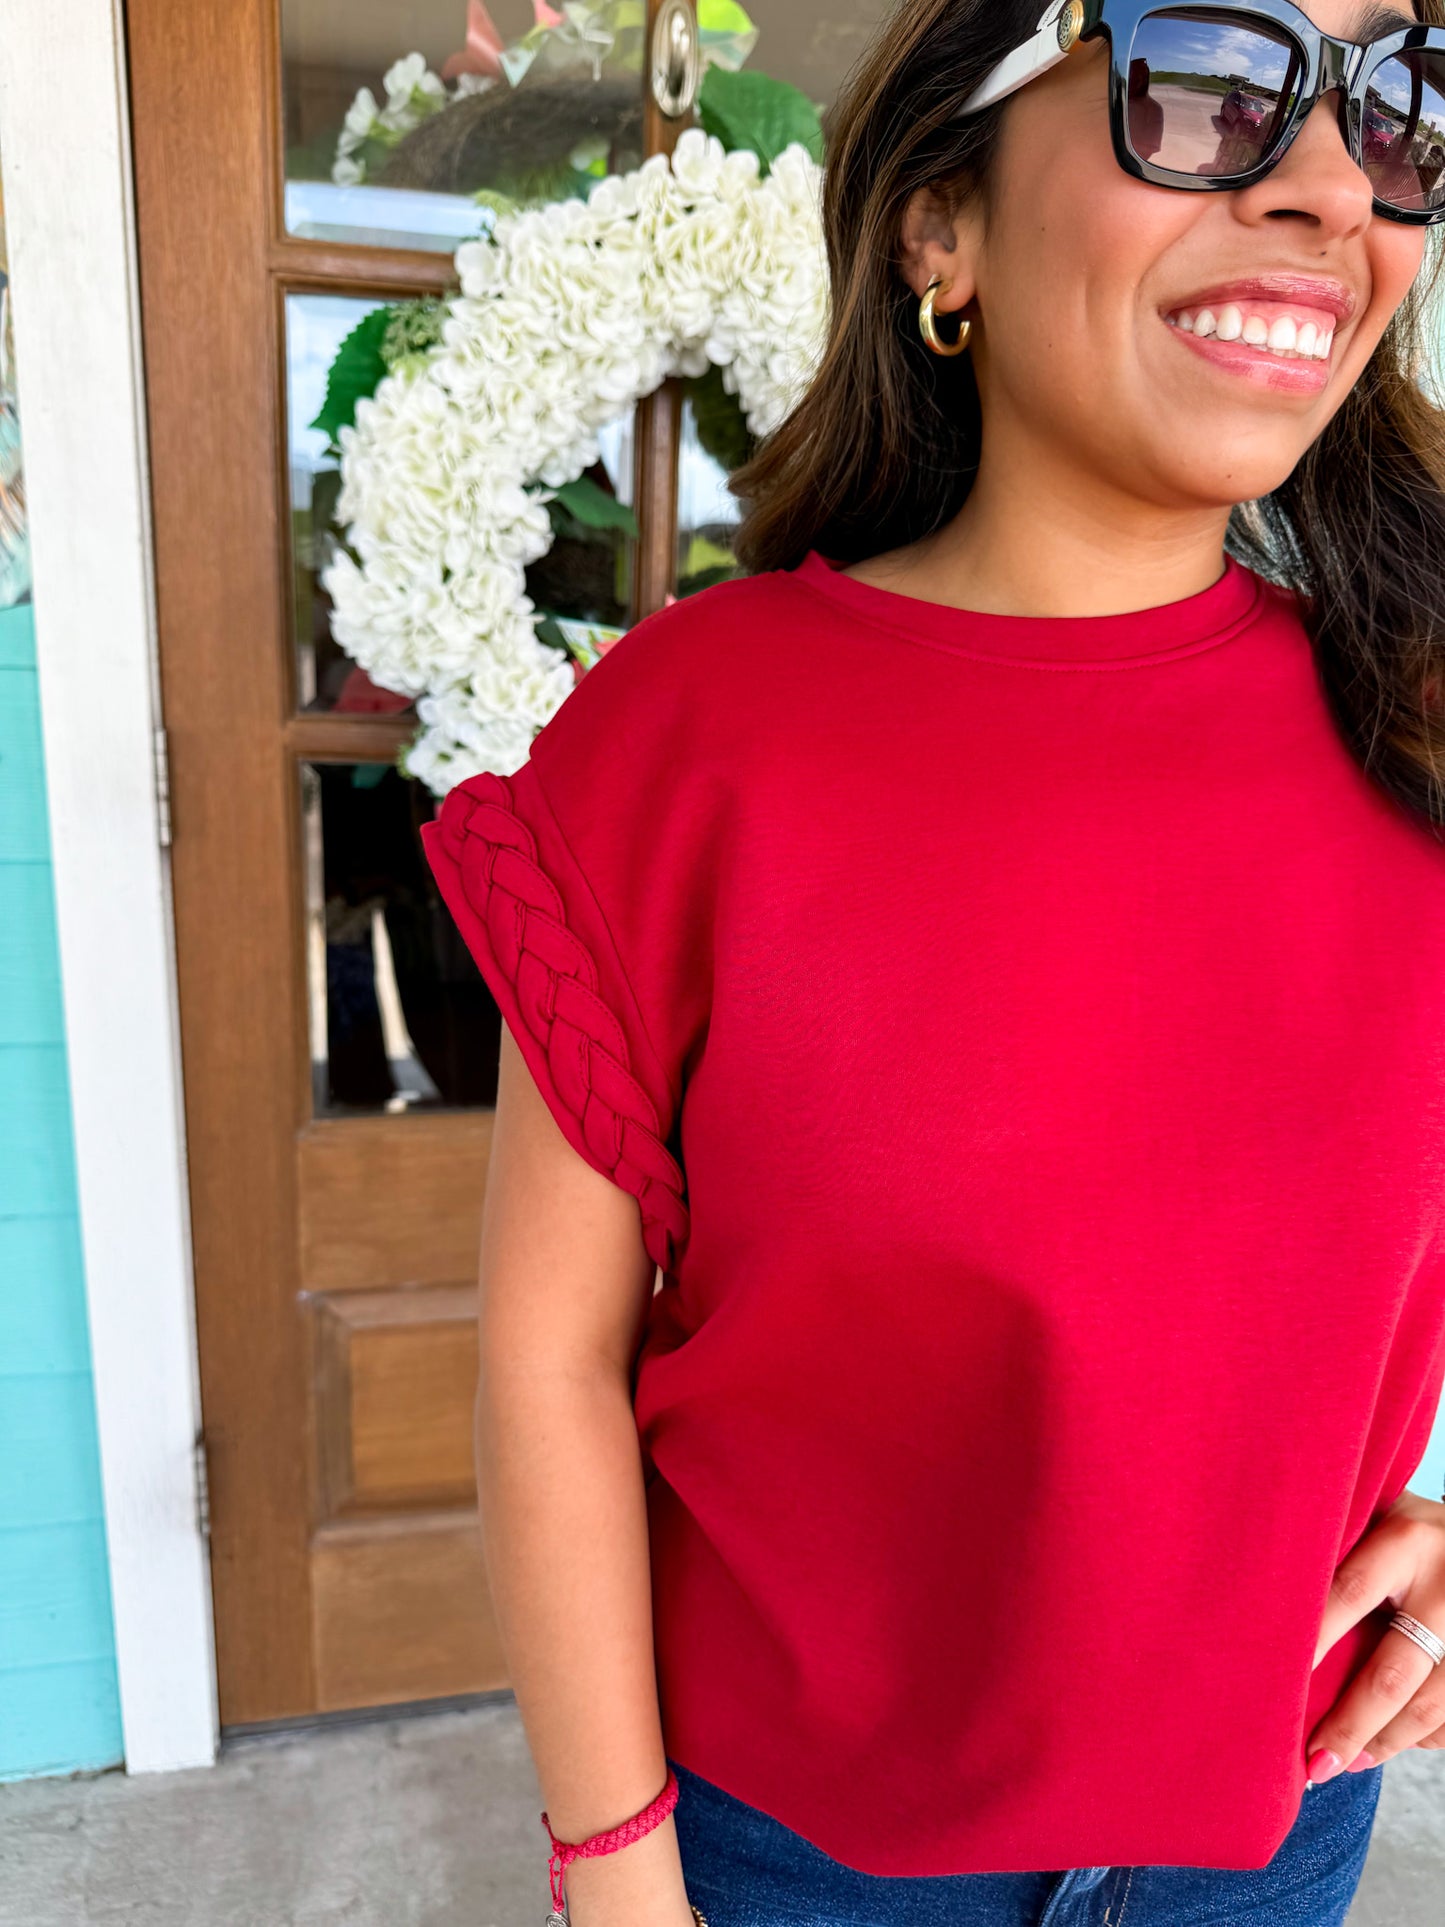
<point>495,202</point>
<point>312,160</point>
<point>325,489</point>
<point>412,328</point>
<point>548,632</point>
<point>702,579</point>
<point>722,16</point>
<point>757,112</point>
<point>722,428</point>
<point>355,373</point>
<point>707,558</point>
<point>594,508</point>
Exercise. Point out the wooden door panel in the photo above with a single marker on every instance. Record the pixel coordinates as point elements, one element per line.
<point>391,1201</point>
<point>396,1381</point>
<point>402,1612</point>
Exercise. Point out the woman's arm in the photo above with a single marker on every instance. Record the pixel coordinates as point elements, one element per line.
<point>564,1287</point>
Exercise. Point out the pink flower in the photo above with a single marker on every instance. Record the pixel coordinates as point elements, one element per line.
<point>482,53</point>
<point>484,45</point>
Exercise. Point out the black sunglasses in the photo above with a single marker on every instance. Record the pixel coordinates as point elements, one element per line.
<point>1210,97</point>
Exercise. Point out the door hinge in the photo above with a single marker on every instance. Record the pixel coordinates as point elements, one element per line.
<point>203,1487</point>
<point>162,752</point>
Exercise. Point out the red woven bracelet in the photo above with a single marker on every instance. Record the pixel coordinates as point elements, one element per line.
<point>564,1851</point>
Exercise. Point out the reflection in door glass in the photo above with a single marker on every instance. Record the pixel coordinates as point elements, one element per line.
<point>407,122</point>
<point>338,347</point>
<point>406,125</point>
<point>316,327</point>
<point>715,441</point>
<point>811,44</point>
<point>401,1018</point>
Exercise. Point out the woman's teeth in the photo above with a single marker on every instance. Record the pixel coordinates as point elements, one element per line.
<point>1296,341</point>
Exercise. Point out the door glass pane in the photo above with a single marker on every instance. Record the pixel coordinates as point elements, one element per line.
<point>812,44</point>
<point>715,441</point>
<point>401,1018</point>
<point>586,575</point>
<point>326,678</point>
<point>406,121</point>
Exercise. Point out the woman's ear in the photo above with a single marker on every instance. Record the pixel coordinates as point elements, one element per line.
<point>936,239</point>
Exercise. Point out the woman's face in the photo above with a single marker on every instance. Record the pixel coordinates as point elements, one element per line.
<point>1082,273</point>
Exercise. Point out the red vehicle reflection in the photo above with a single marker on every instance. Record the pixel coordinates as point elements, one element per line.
<point>1243,110</point>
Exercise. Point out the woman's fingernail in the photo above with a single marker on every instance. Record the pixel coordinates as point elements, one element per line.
<point>1323,1766</point>
<point>1360,1762</point>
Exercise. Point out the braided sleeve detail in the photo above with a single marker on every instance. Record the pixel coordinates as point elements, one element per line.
<point>554,984</point>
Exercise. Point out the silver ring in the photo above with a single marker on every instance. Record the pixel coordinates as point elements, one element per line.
<point>1427,1641</point>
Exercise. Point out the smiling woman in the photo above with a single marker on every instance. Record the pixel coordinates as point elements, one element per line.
<point>1359,128</point>
<point>1007,933</point>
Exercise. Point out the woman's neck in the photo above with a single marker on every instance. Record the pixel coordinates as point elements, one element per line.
<point>1034,541</point>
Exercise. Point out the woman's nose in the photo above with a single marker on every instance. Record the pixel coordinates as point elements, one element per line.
<point>1317,178</point>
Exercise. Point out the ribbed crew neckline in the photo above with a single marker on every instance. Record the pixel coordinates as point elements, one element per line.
<point>1136,636</point>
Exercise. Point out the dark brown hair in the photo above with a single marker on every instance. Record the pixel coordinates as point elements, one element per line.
<point>884,445</point>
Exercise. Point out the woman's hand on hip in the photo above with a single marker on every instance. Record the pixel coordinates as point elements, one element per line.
<point>1397,1699</point>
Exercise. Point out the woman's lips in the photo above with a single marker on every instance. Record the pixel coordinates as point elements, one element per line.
<point>1316,292</point>
<point>1284,328</point>
<point>1300,311</point>
<point>1292,376</point>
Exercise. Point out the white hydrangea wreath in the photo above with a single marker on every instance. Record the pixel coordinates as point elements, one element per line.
<point>568,316</point>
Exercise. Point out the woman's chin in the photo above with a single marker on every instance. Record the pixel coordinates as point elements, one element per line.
<point>1221,462</point>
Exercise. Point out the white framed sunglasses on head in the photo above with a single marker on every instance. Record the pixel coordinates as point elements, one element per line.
<point>1210,97</point>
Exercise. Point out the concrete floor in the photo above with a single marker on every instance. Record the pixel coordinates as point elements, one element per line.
<point>424,1821</point>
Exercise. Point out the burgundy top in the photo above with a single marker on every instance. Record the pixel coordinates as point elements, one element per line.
<point>1023,1039</point>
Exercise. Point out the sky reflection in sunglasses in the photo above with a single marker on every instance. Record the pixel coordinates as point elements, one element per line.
<point>1210,98</point>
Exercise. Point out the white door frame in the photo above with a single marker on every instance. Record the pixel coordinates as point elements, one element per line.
<point>65,149</point>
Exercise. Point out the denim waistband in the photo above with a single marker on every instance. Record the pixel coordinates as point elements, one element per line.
<point>744,1868</point>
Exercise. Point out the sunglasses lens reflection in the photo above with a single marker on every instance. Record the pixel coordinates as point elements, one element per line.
<point>1402,131</point>
<point>1208,95</point>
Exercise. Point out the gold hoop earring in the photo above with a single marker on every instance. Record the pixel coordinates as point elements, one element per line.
<point>928,325</point>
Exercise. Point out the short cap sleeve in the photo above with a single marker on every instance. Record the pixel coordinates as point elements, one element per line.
<point>547,926</point>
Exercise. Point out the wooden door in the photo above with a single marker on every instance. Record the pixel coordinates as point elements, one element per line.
<point>339,1048</point>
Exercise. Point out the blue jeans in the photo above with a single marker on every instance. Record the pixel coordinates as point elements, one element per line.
<point>745,1869</point>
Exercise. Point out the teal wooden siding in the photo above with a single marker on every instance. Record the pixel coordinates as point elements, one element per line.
<point>59,1707</point>
<point>1429,1481</point>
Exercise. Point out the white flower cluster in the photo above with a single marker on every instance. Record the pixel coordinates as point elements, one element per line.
<point>569,314</point>
<point>413,95</point>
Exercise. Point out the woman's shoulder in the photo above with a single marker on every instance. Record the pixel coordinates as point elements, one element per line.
<point>668,693</point>
<point>688,669</point>
<point>714,625</point>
